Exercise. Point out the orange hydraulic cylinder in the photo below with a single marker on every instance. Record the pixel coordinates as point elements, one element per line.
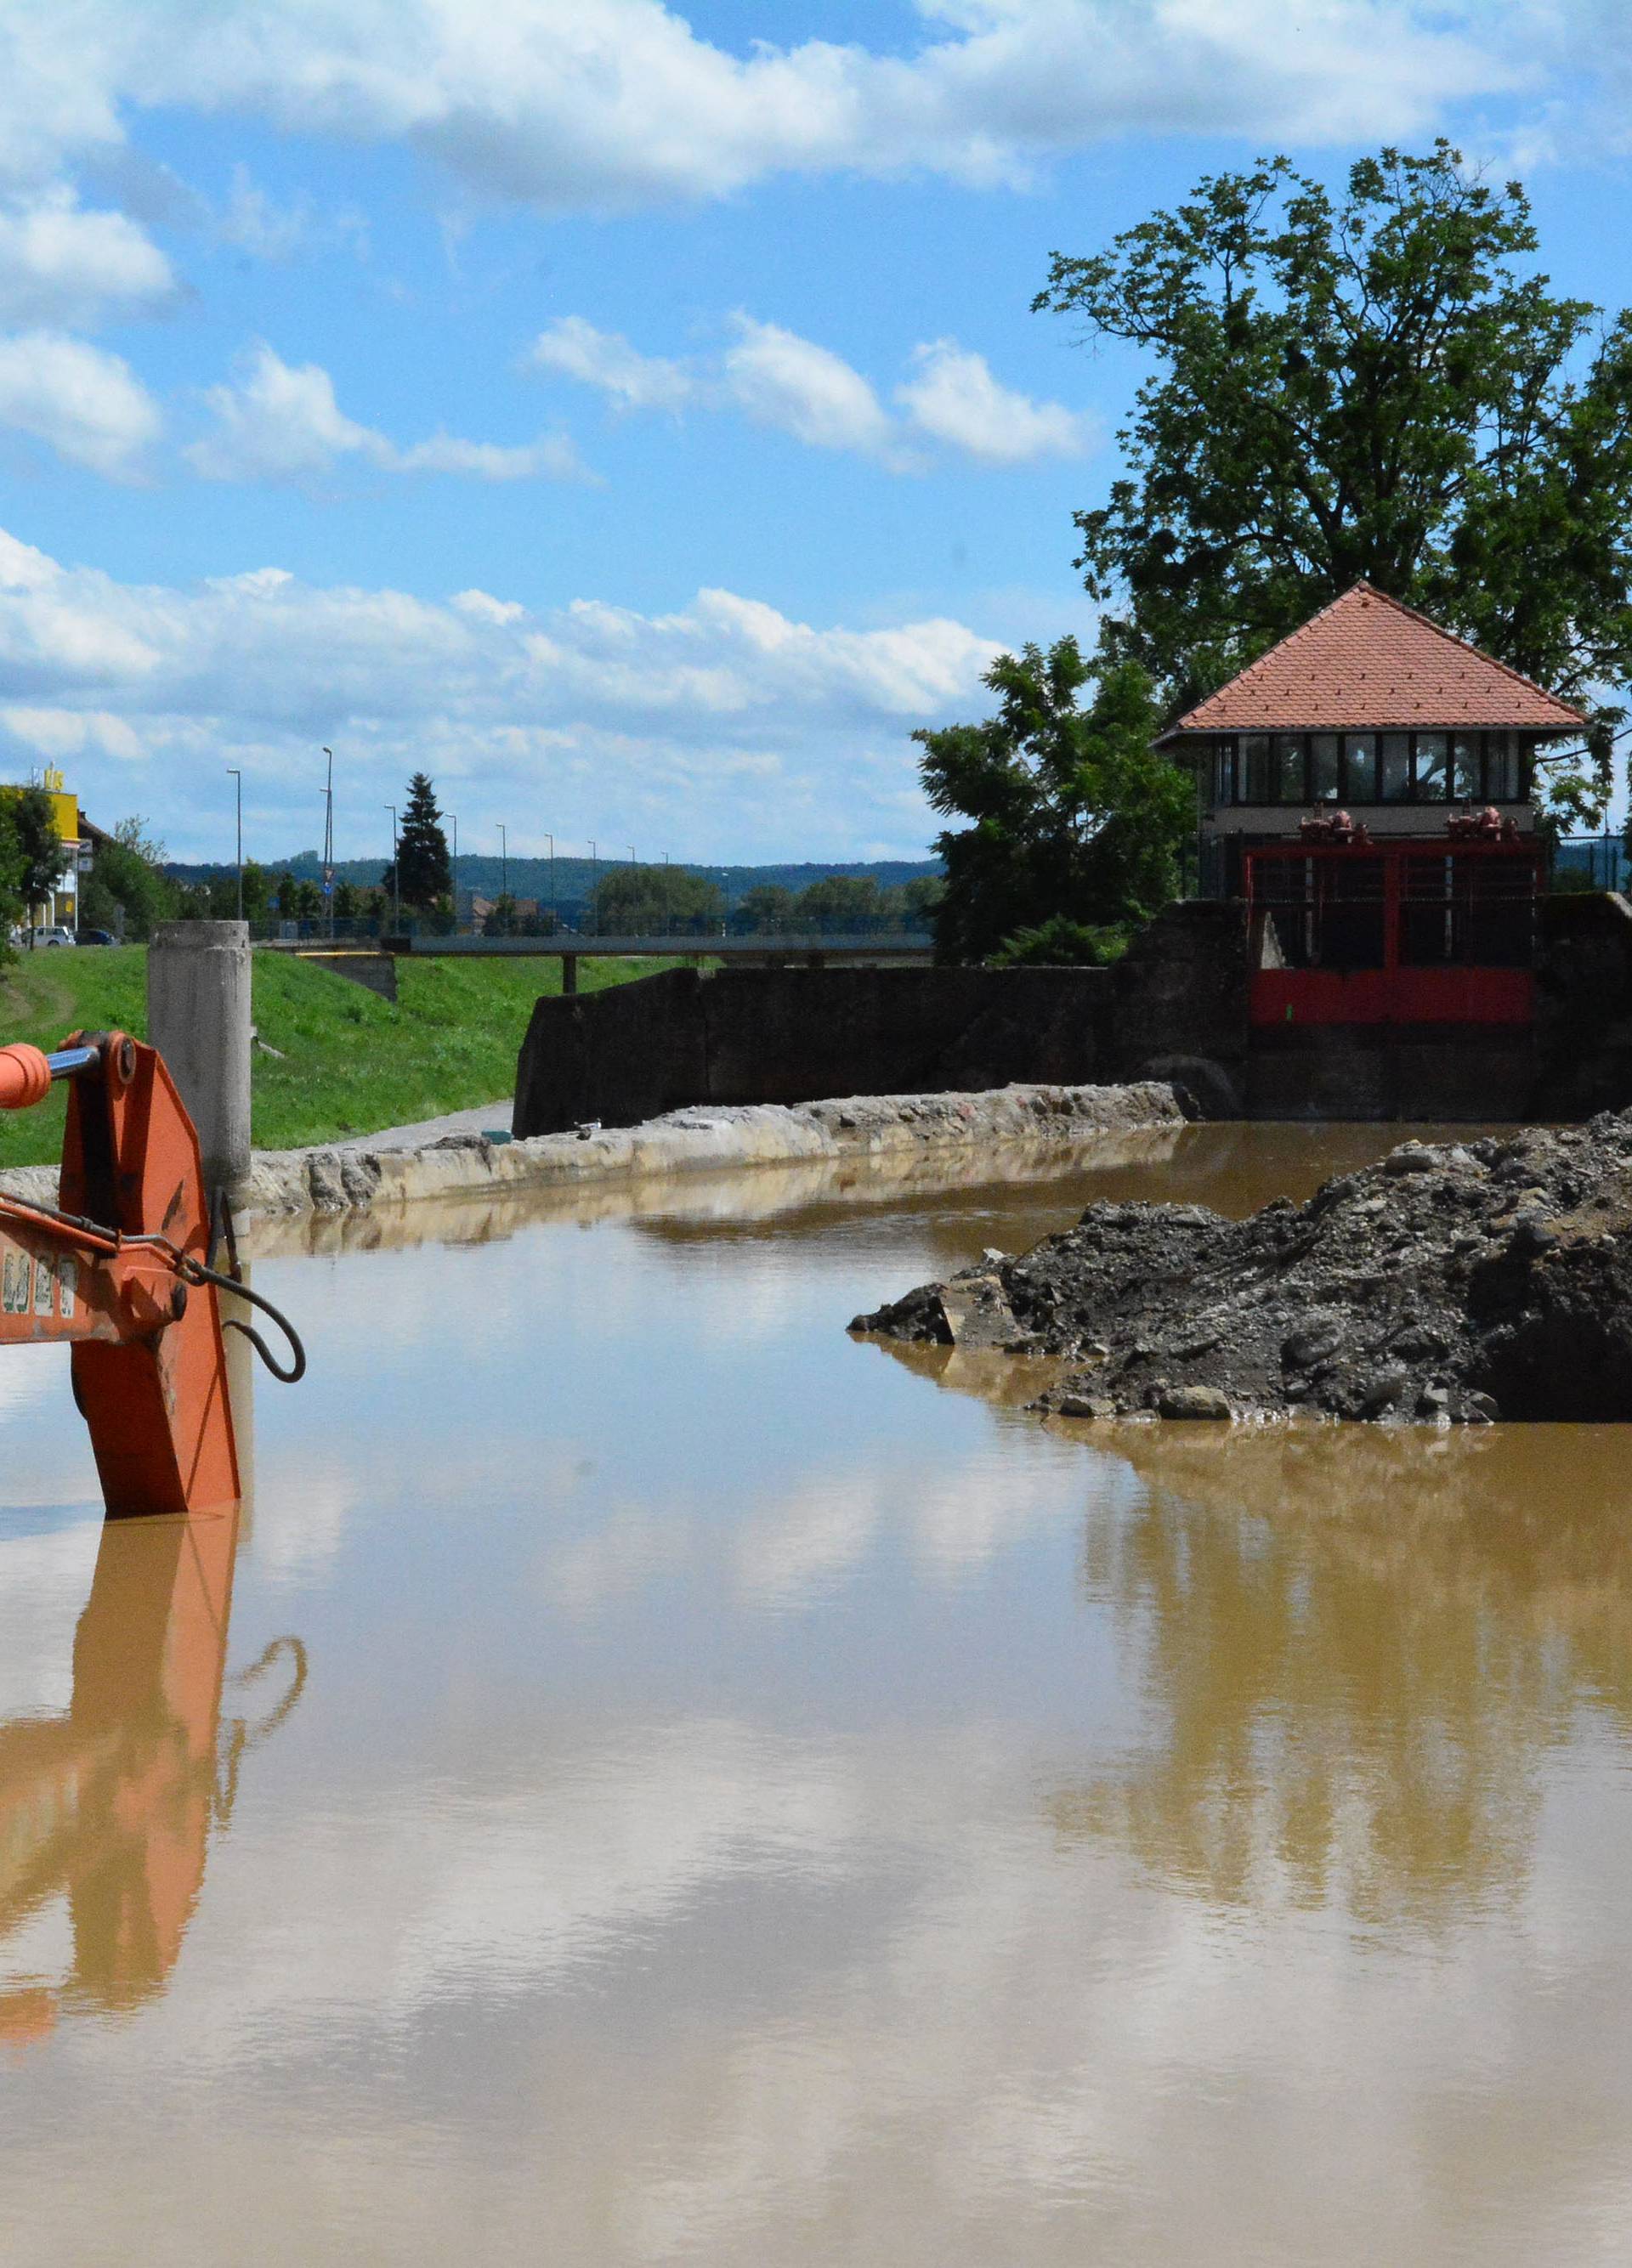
<point>25,1077</point>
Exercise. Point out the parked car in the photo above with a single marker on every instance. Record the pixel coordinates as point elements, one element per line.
<point>94,937</point>
<point>48,937</point>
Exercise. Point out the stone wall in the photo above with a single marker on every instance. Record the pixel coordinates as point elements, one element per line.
<point>758,1036</point>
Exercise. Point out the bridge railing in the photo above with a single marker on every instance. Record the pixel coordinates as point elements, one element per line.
<point>682,937</point>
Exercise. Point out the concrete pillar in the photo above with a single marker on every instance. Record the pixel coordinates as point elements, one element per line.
<point>198,1019</point>
<point>569,973</point>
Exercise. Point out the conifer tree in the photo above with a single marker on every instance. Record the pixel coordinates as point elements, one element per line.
<point>426,873</point>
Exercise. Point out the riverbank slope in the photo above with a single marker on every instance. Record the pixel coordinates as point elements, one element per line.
<point>331,1061</point>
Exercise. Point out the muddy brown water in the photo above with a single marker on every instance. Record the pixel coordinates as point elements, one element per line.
<point>649,1778</point>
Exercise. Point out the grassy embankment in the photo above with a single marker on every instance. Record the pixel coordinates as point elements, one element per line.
<point>347,1062</point>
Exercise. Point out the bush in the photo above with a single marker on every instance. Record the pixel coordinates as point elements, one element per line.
<point>1059,943</point>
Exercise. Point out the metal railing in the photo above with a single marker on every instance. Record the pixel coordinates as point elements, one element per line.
<point>319,930</point>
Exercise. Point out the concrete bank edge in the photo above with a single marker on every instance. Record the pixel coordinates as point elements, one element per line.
<point>327,1179</point>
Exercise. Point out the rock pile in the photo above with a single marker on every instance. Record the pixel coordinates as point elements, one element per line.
<point>1453,1285</point>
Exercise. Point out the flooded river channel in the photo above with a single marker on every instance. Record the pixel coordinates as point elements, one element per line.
<point>650,1779</point>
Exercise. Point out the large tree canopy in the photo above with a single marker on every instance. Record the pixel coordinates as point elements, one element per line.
<point>1075,817</point>
<point>1376,385</point>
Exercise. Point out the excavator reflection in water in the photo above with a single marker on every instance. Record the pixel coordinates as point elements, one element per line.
<point>111,1804</point>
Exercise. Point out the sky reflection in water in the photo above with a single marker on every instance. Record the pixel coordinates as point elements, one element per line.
<point>704,1788</point>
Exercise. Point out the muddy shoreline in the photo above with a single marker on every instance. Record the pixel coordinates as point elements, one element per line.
<point>1450,1284</point>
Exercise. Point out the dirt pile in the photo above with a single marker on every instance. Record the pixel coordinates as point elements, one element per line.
<point>1455,1284</point>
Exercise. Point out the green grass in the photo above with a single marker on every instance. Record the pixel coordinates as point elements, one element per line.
<point>347,1062</point>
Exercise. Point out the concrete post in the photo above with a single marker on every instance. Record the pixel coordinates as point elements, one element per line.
<point>198,1019</point>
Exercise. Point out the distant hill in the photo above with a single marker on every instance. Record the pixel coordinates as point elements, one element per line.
<point>574,877</point>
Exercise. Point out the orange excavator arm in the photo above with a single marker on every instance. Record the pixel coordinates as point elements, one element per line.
<point>120,1268</point>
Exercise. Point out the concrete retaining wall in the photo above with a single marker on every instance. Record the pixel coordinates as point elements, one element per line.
<point>698,1141</point>
<point>1583,1005</point>
<point>754,1036</point>
<point>1179,997</point>
<point>288,1183</point>
<point>1425,1073</point>
<point>1179,1013</point>
<point>376,972</point>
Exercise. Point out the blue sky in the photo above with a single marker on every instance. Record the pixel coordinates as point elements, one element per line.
<point>636,420</point>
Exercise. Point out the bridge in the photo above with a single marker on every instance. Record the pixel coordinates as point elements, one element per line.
<point>807,949</point>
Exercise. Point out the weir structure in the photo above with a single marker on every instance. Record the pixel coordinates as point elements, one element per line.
<point>1364,792</point>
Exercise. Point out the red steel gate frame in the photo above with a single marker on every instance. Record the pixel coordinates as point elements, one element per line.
<point>1395,990</point>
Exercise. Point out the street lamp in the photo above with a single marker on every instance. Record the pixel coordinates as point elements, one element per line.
<point>238,775</point>
<point>453,871</point>
<point>329,843</point>
<point>396,870</point>
<point>594,886</point>
<point>504,862</point>
<point>551,840</point>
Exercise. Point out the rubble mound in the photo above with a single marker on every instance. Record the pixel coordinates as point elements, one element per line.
<point>1452,1284</point>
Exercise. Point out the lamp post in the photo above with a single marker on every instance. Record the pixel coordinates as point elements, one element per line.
<point>551,840</point>
<point>329,843</point>
<point>396,870</point>
<point>669,901</point>
<point>595,884</point>
<point>453,868</point>
<point>504,862</point>
<point>238,776</point>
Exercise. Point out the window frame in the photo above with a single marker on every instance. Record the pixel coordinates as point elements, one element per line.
<point>1230,768</point>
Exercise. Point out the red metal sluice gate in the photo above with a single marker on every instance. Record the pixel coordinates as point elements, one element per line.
<point>1345,929</point>
<point>121,1268</point>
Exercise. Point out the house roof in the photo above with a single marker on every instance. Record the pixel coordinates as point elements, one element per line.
<point>1367,661</point>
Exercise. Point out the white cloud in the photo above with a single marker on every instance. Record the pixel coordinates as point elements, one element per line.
<point>282,422</point>
<point>603,359</point>
<point>783,380</point>
<point>80,401</point>
<point>487,608</point>
<point>955,399</point>
<point>61,735</point>
<point>551,457</point>
<point>61,264</point>
<point>725,728</point>
<point>278,422</point>
<point>612,103</point>
<point>254,222</point>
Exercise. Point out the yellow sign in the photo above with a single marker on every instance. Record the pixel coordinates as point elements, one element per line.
<point>64,807</point>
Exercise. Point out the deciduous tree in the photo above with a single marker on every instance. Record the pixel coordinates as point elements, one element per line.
<point>1074,817</point>
<point>126,889</point>
<point>39,847</point>
<point>1377,383</point>
<point>641,900</point>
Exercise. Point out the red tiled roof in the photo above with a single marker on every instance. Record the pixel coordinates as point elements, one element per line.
<point>1367,660</point>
